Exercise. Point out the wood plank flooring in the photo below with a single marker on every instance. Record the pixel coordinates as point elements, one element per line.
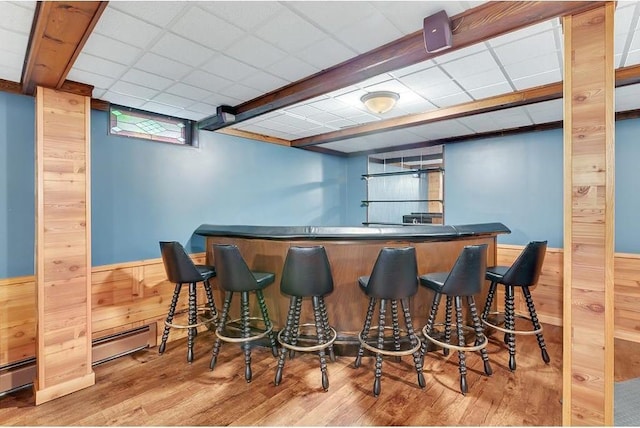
<point>147,389</point>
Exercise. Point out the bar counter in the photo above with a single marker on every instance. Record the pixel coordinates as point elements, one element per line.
<point>352,252</point>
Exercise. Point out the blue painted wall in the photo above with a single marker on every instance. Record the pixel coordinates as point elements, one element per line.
<point>17,185</point>
<point>516,180</point>
<point>627,238</point>
<point>356,191</point>
<point>144,192</point>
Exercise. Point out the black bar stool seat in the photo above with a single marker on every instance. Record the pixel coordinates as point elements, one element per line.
<point>306,273</point>
<point>523,273</point>
<point>234,276</point>
<point>180,270</point>
<point>394,278</point>
<point>463,281</point>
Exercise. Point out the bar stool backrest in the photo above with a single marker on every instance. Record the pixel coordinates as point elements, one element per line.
<point>306,272</point>
<point>232,271</point>
<point>177,264</point>
<point>395,274</point>
<point>525,270</point>
<point>467,275</point>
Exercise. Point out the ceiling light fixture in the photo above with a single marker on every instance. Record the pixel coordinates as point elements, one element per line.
<point>380,101</point>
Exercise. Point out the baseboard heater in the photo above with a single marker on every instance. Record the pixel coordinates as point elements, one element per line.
<point>20,374</point>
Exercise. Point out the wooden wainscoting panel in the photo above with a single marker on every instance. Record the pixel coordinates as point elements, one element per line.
<point>17,319</point>
<point>627,296</point>
<point>547,294</point>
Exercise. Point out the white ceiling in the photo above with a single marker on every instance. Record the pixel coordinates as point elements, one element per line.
<point>186,58</point>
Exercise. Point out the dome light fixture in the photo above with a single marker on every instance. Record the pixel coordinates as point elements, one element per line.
<point>380,101</point>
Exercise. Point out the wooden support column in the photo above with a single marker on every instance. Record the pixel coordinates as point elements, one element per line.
<point>588,217</point>
<point>63,244</point>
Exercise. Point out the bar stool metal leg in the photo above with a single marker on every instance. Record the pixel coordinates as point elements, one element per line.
<point>480,337</point>
<point>510,324</point>
<point>267,322</point>
<point>325,319</point>
<point>172,311</point>
<point>365,331</point>
<point>321,340</point>
<point>210,300</point>
<point>447,326</point>
<point>246,332</point>
<point>536,324</point>
<point>430,321</point>
<point>490,296</point>
<point>193,319</point>
<point>417,359</point>
<point>287,338</point>
<point>462,365</point>
<point>296,328</point>
<point>381,322</point>
<point>221,326</point>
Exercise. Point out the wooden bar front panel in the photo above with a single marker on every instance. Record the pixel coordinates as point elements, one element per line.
<point>347,305</point>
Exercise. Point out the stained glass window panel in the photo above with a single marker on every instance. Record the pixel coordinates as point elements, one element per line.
<point>129,122</point>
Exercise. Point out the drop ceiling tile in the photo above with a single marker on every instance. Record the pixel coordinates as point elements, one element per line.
<point>10,41</point>
<point>10,73</point>
<point>219,99</point>
<point>364,117</point>
<point>551,76</point>
<point>256,52</point>
<point>191,115</point>
<point>352,98</point>
<point>303,110</point>
<point>441,90</point>
<point>201,26</point>
<point>172,100</point>
<point>545,112</point>
<point>15,17</point>
<point>384,33</point>
<point>533,66</point>
<point>125,28</point>
<point>523,33</point>
<point>161,109</point>
<point>240,92</point>
<point>149,80</point>
<point>97,65</point>
<point>415,107</point>
<point>98,93</point>
<point>204,108</point>
<point>137,91</point>
<point>503,119</point>
<point>206,81</point>
<point>471,64</point>
<point>490,91</point>
<point>88,78</point>
<point>182,50</point>
<point>324,117</point>
<point>292,69</point>
<point>412,68</point>
<point>326,53</point>
<point>111,49</point>
<point>123,100</point>
<point>227,67</point>
<point>480,80</point>
<point>635,44</point>
<point>439,130</point>
<point>627,98</point>
<point>156,13</point>
<point>11,59</point>
<point>426,78</point>
<point>389,85</point>
<point>333,16</point>
<point>350,113</point>
<point>245,14</point>
<point>264,82</point>
<point>408,16</point>
<point>633,58</point>
<point>279,30</point>
<point>446,57</point>
<point>327,104</point>
<point>188,91</point>
<point>451,100</point>
<point>341,123</point>
<point>527,48</point>
<point>170,69</point>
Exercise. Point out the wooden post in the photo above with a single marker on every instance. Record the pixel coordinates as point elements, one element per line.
<point>588,217</point>
<point>63,244</point>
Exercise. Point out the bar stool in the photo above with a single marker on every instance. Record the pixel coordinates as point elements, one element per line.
<point>523,273</point>
<point>394,277</point>
<point>464,280</point>
<point>306,273</point>
<point>234,276</point>
<point>180,270</point>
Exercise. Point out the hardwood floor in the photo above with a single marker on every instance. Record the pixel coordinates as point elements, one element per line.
<point>150,389</point>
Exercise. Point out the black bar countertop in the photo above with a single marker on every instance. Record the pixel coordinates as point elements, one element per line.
<point>421,232</point>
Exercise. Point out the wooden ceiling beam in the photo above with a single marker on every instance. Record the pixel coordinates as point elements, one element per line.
<point>59,31</point>
<point>473,26</point>
<point>624,76</point>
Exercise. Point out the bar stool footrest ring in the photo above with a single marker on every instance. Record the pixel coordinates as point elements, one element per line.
<point>310,348</point>
<point>377,350</point>
<point>506,330</point>
<point>456,347</point>
<point>260,335</point>
<point>199,310</point>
